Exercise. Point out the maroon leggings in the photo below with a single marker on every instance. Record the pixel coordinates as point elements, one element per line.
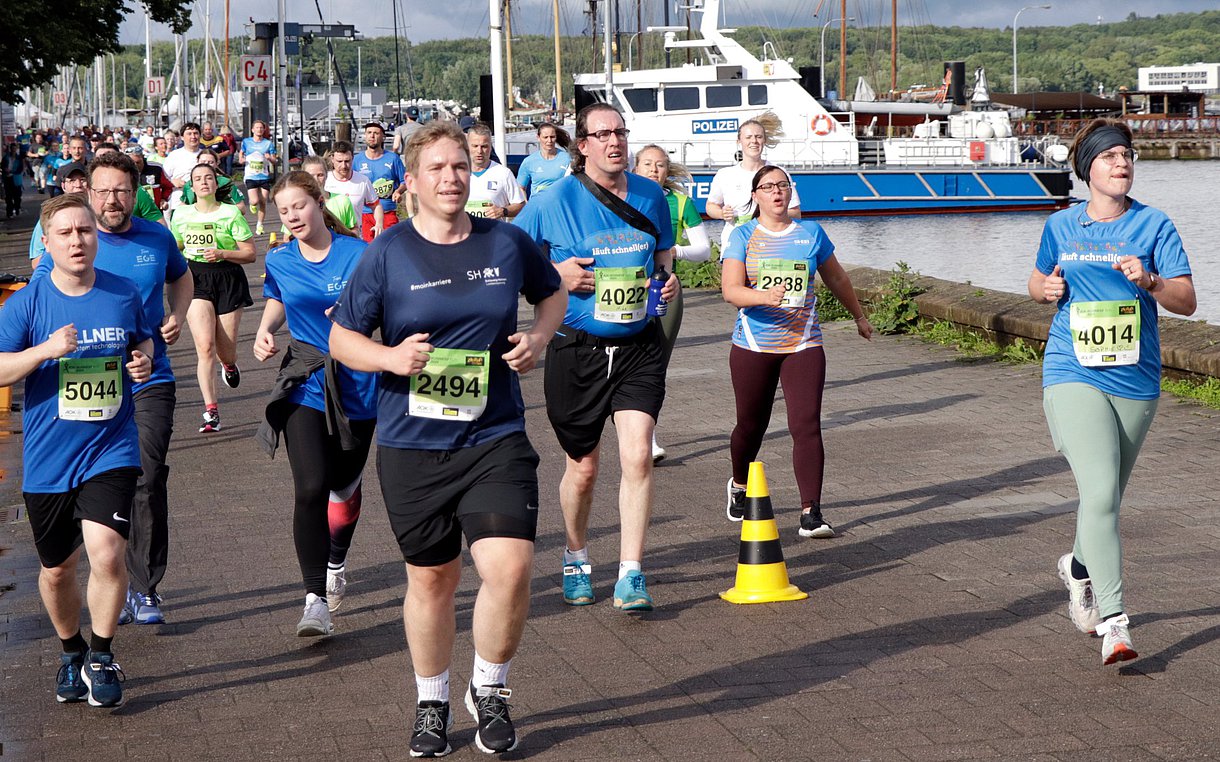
<point>755,376</point>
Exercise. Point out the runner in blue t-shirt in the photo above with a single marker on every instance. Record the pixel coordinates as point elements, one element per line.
<point>76,181</point>
<point>453,456</point>
<point>257,153</point>
<point>387,174</point>
<point>325,411</point>
<point>1107,265</point>
<point>145,253</point>
<point>548,164</point>
<point>79,340</point>
<point>607,359</point>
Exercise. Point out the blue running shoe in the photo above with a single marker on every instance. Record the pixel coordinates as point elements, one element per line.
<point>104,678</point>
<point>69,686</point>
<point>125,616</point>
<point>577,587</point>
<point>145,608</point>
<point>631,593</point>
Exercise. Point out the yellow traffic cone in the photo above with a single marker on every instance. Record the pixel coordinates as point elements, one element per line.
<point>762,576</point>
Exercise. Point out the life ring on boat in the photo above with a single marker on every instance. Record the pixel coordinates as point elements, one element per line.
<point>822,124</point>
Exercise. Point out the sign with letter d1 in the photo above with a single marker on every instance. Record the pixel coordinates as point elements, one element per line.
<point>255,71</point>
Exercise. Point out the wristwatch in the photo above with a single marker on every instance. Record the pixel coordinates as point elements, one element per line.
<point>1155,280</point>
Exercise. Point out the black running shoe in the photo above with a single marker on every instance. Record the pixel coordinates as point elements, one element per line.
<point>735,507</point>
<point>488,705</point>
<point>231,375</point>
<point>813,525</point>
<point>430,736</point>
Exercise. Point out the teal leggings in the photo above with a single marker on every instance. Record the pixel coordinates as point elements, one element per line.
<point>1100,435</point>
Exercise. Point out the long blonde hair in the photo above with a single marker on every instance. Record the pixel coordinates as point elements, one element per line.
<point>304,181</point>
<point>772,127</point>
<point>678,176</point>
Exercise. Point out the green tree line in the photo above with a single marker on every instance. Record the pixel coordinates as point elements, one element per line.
<point>1070,58</point>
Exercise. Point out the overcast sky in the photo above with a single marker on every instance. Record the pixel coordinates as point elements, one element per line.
<point>422,21</point>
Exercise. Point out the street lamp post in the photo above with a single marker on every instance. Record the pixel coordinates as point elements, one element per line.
<point>1014,39</point>
<point>822,54</point>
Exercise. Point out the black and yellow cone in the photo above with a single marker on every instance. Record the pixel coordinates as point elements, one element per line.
<point>762,576</point>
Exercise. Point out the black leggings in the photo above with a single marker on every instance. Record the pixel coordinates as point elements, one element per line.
<point>319,465</point>
<point>755,376</point>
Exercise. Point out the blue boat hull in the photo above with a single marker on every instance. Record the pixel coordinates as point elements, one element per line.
<point>920,190</point>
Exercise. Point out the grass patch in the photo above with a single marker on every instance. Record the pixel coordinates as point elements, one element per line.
<point>1206,392</point>
<point>975,345</point>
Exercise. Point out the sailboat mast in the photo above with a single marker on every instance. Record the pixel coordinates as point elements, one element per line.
<point>495,33</point>
<point>558,68</point>
<point>226,77</point>
<point>147,64</point>
<point>893,47</point>
<point>508,52</point>
<point>843,51</point>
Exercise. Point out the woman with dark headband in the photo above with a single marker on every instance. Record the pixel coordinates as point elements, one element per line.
<point>1107,264</point>
<point>768,274</point>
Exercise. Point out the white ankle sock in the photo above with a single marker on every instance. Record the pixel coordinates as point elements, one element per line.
<point>432,688</point>
<point>576,556</point>
<point>624,567</point>
<point>485,673</point>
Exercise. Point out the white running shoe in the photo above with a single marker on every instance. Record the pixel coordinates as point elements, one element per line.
<point>1116,642</point>
<point>658,452</point>
<point>315,622</point>
<point>1082,606</point>
<point>336,585</point>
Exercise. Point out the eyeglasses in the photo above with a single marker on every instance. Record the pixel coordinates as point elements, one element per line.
<point>604,135</point>
<point>1111,157</point>
<point>116,192</point>
<point>768,187</point>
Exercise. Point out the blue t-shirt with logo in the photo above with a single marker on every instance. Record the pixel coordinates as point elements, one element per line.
<point>572,223</point>
<point>147,255</point>
<point>307,290</point>
<point>537,174</point>
<point>386,173</point>
<point>60,454</point>
<point>464,295</point>
<point>263,151</point>
<point>1086,252</point>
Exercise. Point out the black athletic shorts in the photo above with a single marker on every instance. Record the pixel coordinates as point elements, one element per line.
<point>252,184</point>
<point>55,517</point>
<point>588,379</point>
<point>223,284</point>
<point>433,497</point>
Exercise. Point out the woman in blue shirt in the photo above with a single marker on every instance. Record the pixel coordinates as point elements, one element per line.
<point>1107,264</point>
<point>326,411</point>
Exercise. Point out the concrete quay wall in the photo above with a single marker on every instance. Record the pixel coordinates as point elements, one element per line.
<point>1188,347</point>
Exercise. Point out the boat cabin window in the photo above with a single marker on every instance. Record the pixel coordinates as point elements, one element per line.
<point>641,99</point>
<point>724,96</point>
<point>681,98</point>
<point>757,95</point>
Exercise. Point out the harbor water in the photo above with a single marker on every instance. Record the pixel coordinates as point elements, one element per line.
<point>997,251</point>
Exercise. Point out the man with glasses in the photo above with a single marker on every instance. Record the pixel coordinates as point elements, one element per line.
<point>145,253</point>
<point>606,231</point>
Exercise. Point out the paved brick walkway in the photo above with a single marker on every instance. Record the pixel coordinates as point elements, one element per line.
<point>935,627</point>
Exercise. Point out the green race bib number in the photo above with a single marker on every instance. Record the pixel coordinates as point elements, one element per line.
<point>1106,333</point>
<point>90,388</point>
<point>256,164</point>
<point>792,274</point>
<point>452,386</point>
<point>198,238</point>
<point>621,292</point>
<point>478,208</point>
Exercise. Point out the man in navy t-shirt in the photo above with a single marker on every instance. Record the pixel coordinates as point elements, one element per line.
<point>453,457</point>
<point>607,359</point>
<point>79,340</point>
